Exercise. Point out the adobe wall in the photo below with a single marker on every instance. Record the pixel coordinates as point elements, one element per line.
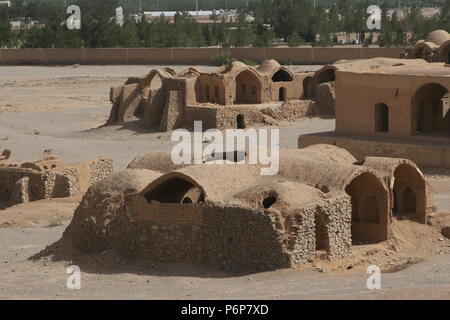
<point>83,175</point>
<point>40,183</point>
<point>226,117</point>
<point>358,93</point>
<point>301,55</point>
<point>423,154</point>
<point>208,116</point>
<point>154,108</point>
<point>212,234</point>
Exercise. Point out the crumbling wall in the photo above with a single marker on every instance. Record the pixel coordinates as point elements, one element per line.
<point>90,228</point>
<point>206,114</point>
<point>40,184</point>
<point>172,117</point>
<point>325,98</point>
<point>126,102</point>
<point>154,107</point>
<point>33,182</point>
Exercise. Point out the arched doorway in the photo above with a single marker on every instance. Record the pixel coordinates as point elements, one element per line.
<point>431,109</point>
<point>248,87</point>
<point>240,121</point>
<point>370,208</point>
<point>409,193</point>
<point>282,94</point>
<point>381,117</point>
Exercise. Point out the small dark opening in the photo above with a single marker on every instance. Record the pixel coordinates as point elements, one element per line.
<point>207,93</point>
<point>321,233</point>
<point>269,201</point>
<point>282,94</point>
<point>240,120</point>
<point>381,118</point>
<point>187,200</point>
<point>173,191</point>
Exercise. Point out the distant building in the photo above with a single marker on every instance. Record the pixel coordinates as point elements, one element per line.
<point>402,13</point>
<point>7,3</point>
<point>24,23</point>
<point>201,16</point>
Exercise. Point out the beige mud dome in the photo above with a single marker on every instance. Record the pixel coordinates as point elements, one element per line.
<point>235,96</point>
<point>434,48</point>
<point>319,204</point>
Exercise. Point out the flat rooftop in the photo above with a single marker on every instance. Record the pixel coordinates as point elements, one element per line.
<point>435,69</point>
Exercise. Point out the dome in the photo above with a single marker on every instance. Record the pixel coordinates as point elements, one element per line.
<point>127,181</point>
<point>438,37</point>
<point>268,66</point>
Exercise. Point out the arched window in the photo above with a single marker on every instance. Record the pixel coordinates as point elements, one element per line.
<point>370,204</point>
<point>430,107</point>
<point>381,118</point>
<point>175,190</point>
<point>248,87</point>
<point>282,76</point>
<point>409,193</point>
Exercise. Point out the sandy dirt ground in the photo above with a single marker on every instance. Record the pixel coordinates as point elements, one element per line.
<point>64,108</point>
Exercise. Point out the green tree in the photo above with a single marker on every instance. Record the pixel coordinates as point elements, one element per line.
<point>294,40</point>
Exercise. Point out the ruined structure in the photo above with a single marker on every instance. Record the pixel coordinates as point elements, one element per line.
<point>234,96</point>
<point>48,178</point>
<point>434,48</point>
<point>321,202</point>
<point>392,110</point>
<point>321,86</point>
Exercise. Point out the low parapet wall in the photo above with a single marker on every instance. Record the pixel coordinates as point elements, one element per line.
<point>174,56</point>
<point>425,153</point>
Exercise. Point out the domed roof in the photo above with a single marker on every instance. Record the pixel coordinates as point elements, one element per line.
<point>234,67</point>
<point>128,180</point>
<point>268,66</point>
<point>438,37</point>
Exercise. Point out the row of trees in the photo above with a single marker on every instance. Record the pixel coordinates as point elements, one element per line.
<point>292,21</point>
